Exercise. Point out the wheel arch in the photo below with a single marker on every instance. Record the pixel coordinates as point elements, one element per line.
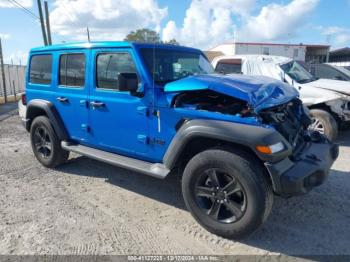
<point>195,136</point>
<point>328,109</point>
<point>199,144</point>
<point>39,107</point>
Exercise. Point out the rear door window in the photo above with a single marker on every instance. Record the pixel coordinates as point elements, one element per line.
<point>72,70</point>
<point>40,69</point>
<point>229,66</point>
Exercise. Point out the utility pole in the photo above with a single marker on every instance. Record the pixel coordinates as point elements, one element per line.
<point>48,23</point>
<point>42,22</point>
<point>13,79</point>
<point>3,73</point>
<point>18,78</point>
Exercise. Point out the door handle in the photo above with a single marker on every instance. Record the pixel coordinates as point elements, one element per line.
<point>95,104</point>
<point>62,99</point>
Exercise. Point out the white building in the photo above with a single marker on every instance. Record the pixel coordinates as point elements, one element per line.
<point>305,53</point>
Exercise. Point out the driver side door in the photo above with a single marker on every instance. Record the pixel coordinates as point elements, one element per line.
<point>117,118</point>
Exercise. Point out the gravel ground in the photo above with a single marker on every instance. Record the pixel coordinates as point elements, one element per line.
<point>88,207</point>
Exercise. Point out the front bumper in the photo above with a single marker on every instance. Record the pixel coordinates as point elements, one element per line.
<point>308,170</point>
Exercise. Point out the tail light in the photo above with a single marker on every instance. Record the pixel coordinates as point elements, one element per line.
<point>24,99</point>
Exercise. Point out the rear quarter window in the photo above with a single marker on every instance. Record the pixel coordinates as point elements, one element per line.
<point>40,69</point>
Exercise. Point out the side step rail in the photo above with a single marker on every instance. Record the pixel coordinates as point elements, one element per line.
<point>153,169</point>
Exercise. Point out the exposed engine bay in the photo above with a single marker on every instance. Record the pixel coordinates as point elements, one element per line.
<point>213,102</point>
<point>290,120</point>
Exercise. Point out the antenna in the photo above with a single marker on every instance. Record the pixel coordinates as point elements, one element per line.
<point>88,33</point>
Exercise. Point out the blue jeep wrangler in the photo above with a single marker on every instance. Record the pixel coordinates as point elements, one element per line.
<point>159,109</point>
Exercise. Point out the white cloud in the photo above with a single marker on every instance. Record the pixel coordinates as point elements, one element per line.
<point>208,22</point>
<point>4,36</point>
<point>106,19</point>
<point>277,22</point>
<point>24,3</point>
<point>339,36</point>
<point>18,57</point>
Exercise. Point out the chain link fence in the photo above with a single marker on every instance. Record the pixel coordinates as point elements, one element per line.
<point>14,82</point>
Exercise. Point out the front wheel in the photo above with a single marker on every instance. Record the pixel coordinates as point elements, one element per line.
<point>227,193</point>
<point>324,122</point>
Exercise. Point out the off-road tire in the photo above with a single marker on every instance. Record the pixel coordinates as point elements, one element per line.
<point>250,175</point>
<point>57,155</point>
<point>327,121</point>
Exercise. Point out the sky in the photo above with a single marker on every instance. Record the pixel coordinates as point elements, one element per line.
<point>198,23</point>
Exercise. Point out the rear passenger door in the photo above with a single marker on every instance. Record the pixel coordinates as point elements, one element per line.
<point>71,92</point>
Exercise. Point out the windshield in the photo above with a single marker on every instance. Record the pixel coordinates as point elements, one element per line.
<point>297,72</point>
<point>166,65</point>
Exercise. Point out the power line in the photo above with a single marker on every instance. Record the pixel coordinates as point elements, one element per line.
<point>26,10</point>
<point>32,15</point>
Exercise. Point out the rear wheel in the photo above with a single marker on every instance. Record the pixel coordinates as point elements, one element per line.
<point>227,193</point>
<point>324,122</point>
<point>45,143</point>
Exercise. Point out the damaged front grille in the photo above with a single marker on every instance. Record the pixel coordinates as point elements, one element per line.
<point>290,121</point>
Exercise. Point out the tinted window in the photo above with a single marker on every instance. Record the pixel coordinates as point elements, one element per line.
<point>72,70</point>
<point>228,68</point>
<point>41,69</point>
<point>109,66</point>
<point>326,71</point>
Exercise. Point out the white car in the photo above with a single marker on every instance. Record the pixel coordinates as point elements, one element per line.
<point>327,99</point>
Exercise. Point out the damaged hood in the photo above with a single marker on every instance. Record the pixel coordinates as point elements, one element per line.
<point>342,87</point>
<point>259,91</point>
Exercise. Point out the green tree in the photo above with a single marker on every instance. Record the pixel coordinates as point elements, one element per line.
<point>147,35</point>
<point>143,35</point>
<point>172,42</point>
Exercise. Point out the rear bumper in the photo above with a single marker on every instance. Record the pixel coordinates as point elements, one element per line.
<point>309,169</point>
<point>25,123</point>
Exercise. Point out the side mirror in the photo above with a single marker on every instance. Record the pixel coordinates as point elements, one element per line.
<point>128,82</point>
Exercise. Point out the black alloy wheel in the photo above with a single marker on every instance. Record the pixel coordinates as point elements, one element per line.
<point>227,191</point>
<point>42,142</point>
<point>220,195</point>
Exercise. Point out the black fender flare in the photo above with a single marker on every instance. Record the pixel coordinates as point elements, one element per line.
<point>51,113</point>
<point>243,134</point>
